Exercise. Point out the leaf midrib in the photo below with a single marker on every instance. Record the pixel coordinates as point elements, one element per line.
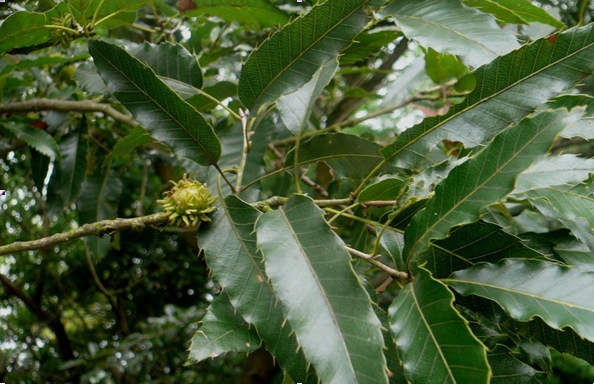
<point>483,100</point>
<point>320,287</point>
<point>478,188</point>
<point>205,150</point>
<point>305,51</point>
<point>510,291</point>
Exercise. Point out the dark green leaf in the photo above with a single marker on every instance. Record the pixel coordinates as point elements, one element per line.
<point>222,330</point>
<point>473,243</point>
<point>528,288</point>
<point>167,117</point>
<point>508,369</point>
<point>170,61</point>
<point>349,156</point>
<point>306,44</point>
<point>313,274</point>
<point>98,201</point>
<point>434,341</point>
<point>484,179</point>
<point>450,26</point>
<point>70,170</point>
<point>231,241</point>
<point>386,189</point>
<point>533,74</point>
<point>28,29</point>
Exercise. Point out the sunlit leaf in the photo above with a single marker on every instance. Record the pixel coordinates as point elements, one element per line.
<point>294,108</point>
<point>572,205</point>
<point>485,178</point>
<point>313,275</point>
<point>527,288</point>
<point>533,74</point>
<point>515,11</point>
<point>251,13</point>
<point>450,26</point>
<point>554,170</point>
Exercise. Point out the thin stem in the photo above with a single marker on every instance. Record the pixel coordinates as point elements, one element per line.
<point>373,261</point>
<point>337,215</point>
<point>357,218</point>
<point>70,30</point>
<point>219,103</point>
<point>244,115</point>
<point>96,14</point>
<point>107,17</point>
<point>379,236</point>
<point>224,177</point>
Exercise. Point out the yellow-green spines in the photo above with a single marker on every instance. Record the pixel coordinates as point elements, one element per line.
<point>188,202</point>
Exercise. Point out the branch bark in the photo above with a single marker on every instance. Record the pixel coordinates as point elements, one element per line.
<point>36,105</point>
<point>99,229</point>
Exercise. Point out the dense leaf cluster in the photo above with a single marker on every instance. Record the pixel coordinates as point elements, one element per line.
<point>402,191</point>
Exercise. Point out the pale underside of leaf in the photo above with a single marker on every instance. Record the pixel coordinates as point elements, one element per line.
<point>561,296</point>
<point>485,178</point>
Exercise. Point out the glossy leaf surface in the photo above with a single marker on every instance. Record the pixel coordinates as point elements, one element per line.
<point>450,26</point>
<point>533,74</point>
<point>229,243</point>
<point>323,299</point>
<point>267,74</point>
<point>528,288</point>
<point>434,341</point>
<point>165,115</point>
<point>484,179</point>
<point>572,205</point>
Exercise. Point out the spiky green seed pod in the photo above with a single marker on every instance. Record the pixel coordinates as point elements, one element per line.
<point>188,203</point>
